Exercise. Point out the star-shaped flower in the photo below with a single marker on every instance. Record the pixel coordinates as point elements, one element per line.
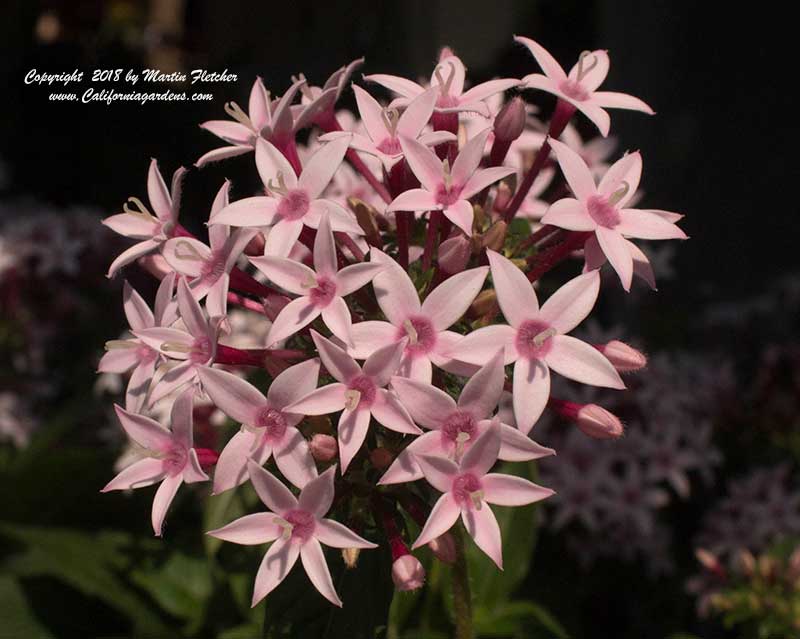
<point>296,527</point>
<point>456,426</point>
<point>425,325</point>
<point>268,428</point>
<point>359,393</point>
<point>172,458</point>
<point>579,88</point>
<point>601,208</point>
<point>444,189</point>
<point>293,202</point>
<point>139,223</point>
<point>317,103</point>
<point>537,339</point>
<point>321,290</point>
<point>468,489</point>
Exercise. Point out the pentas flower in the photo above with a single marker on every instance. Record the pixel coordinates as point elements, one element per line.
<point>468,488</point>
<point>385,126</point>
<point>456,426</point>
<point>601,208</point>
<point>359,393</point>
<point>172,459</point>
<point>445,189</point>
<point>269,429</point>
<point>537,339</point>
<point>133,353</point>
<point>317,103</point>
<point>296,526</point>
<point>423,324</point>
<point>321,290</point>
<point>294,201</point>
<point>448,78</point>
<point>196,346</point>
<point>140,224</point>
<point>209,267</point>
<point>579,87</point>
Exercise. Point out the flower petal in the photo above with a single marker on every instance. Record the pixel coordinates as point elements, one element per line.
<point>482,455</point>
<point>291,276</point>
<point>322,401</point>
<point>371,113</point>
<point>531,392</point>
<point>468,160</point>
<point>507,490</point>
<point>231,468</point>
<point>479,346</point>
<point>351,432</point>
<point>405,469</point>
<point>414,200</point>
<point>577,174</point>
<point>317,570</point>
<point>279,560</point>
<point>482,526</point>
<point>383,363</point>
<point>581,362</point>
<point>390,413</point>
<point>625,171</point>
<point>353,277</point>
<point>162,501</point>
<point>438,471</point>
<point>614,100</point>
<point>569,214</point>
<point>250,530</point>
<point>461,214</point>
<point>131,226</point>
<point>271,163</point>
<point>483,178</point>
<point>423,163</point>
<point>237,398</point>
<point>445,305</point>
<point>293,383</point>
<point>336,316</point>
<point>546,61</point>
<point>515,446</point>
<point>515,293</point>
<point>338,363</point>
<point>250,211</point>
<point>158,194</point>
<point>370,336</point>
<point>319,169</point>
<point>616,251</point>
<point>282,237</point>
<point>481,393</point>
<point>572,303</point>
<point>426,404</point>
<point>144,472</point>
<point>394,290</point>
<point>333,534</point>
<point>317,495</point>
<point>647,226</point>
<point>146,432</point>
<point>271,491</point>
<point>294,316</point>
<point>443,515</point>
<point>417,114</point>
<point>293,457</point>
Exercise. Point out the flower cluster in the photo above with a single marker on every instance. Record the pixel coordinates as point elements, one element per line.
<point>395,261</point>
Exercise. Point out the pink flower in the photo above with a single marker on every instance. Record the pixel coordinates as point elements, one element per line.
<point>209,267</point>
<point>126,354</point>
<point>468,489</point>
<point>321,290</point>
<point>268,428</point>
<point>172,458</point>
<point>579,88</point>
<point>537,339</point>
<point>296,527</point>
<point>318,102</point>
<point>425,325</point>
<point>359,393</point>
<point>444,189</point>
<point>141,224</point>
<point>455,427</point>
<point>601,208</point>
<point>408,573</point>
<point>196,346</point>
<point>293,201</point>
<point>448,78</point>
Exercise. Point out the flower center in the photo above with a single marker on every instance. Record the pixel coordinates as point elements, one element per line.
<point>467,491</point>
<point>174,461</point>
<point>145,354</point>
<point>202,350</point>
<point>574,90</point>
<point>294,204</point>
<point>297,525</point>
<point>272,421</point>
<point>459,429</point>
<point>421,334</point>
<point>602,211</point>
<point>533,339</point>
<point>390,146</point>
<point>360,392</point>
<point>447,193</point>
<point>323,293</point>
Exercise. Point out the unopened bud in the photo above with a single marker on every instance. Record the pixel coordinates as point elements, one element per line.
<point>510,122</point>
<point>408,573</point>
<point>381,458</point>
<point>495,237</point>
<point>485,302</point>
<point>445,52</point>
<point>710,562</point>
<point>454,253</point>
<point>350,557</point>
<point>323,447</point>
<point>623,357</point>
<point>595,421</point>
<point>156,265</point>
<point>367,218</point>
<point>502,198</point>
<point>444,548</point>
<point>767,567</point>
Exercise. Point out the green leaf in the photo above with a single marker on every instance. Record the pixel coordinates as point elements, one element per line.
<point>515,619</point>
<point>17,618</point>
<point>220,510</point>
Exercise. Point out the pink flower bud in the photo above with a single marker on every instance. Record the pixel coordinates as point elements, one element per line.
<point>710,562</point>
<point>444,548</point>
<point>408,573</point>
<point>454,253</point>
<point>381,458</point>
<point>207,457</point>
<point>595,421</point>
<point>510,122</point>
<point>323,448</point>
<point>623,357</point>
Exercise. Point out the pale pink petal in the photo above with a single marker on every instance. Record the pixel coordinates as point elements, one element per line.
<point>596,114</point>
<point>234,246</point>
<point>578,175</point>
<point>515,446</point>
<point>181,418</point>
<point>282,237</point>
<point>461,214</point>
<point>317,495</point>
<point>442,355</point>
<point>293,383</point>
<point>231,468</point>
<point>479,346</point>
<point>294,316</point>
<point>383,363</point>
<point>119,360</point>
<point>186,255</point>
<point>317,570</point>
<point>336,316</point>
<point>319,170</point>
<point>595,70</point>
<point>394,290</point>
<point>139,386</point>
<point>353,277</point>
<point>451,68</point>
<point>433,138</point>
<point>417,367</point>
<point>232,132</point>
<point>647,226</point>
<point>158,194</point>
<point>291,276</point>
<point>279,560</point>
<point>581,362</point>
<point>146,432</point>
<point>158,338</point>
<point>371,114</point>
<point>401,86</point>
<point>482,455</point>
<point>341,219</point>
<point>541,82</point>
<point>338,363</point>
<point>423,162</point>
<point>417,114</point>
<point>483,178</point>
<point>438,471</point>
<point>569,214</point>
<point>370,336</point>
<point>627,171</point>
<point>414,200</point>
<point>390,413</point>
<point>641,265</point>
<point>405,469</point>
<point>258,105</point>
<point>162,501</point>
<point>333,534</point>
<point>193,472</point>
<point>427,405</point>
<point>235,397</point>
<point>616,251</point>
<point>531,392</point>
<point>271,491</point>
<point>572,303</point>
<point>445,305</point>
<point>191,313</point>
<point>133,253</point>
<point>351,431</point>
<point>217,297</point>
<point>669,216</point>
<point>131,226</point>
<point>271,163</point>
<point>468,160</point>
<point>614,100</point>
<point>250,530</point>
<point>144,472</point>
<point>507,490</point>
<point>483,528</point>
<point>223,153</point>
<point>183,373</point>
<point>325,249</point>
<point>294,460</point>
<point>515,293</point>
<point>546,61</point>
<point>444,514</point>
<point>250,211</point>
<point>322,401</point>
<point>486,90</point>
<point>481,393</point>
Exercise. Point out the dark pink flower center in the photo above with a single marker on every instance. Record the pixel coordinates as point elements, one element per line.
<point>467,491</point>
<point>145,354</point>
<point>574,90</point>
<point>214,267</point>
<point>420,333</point>
<point>294,204</point>
<point>602,211</point>
<point>202,350</point>
<point>459,424</point>
<point>175,460</point>
<point>324,292</point>
<point>445,196</point>
<point>302,524</point>
<point>533,339</point>
<point>390,146</point>
<point>446,101</point>
<point>366,390</point>
<point>272,421</point>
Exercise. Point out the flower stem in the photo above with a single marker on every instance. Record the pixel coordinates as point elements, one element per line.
<point>431,239</point>
<point>462,598</point>
<point>550,257</point>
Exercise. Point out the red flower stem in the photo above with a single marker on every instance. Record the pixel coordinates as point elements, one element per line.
<point>404,219</point>
<point>231,356</point>
<point>563,408</point>
<point>387,519</point>
<point>562,115</point>
<point>540,234</point>
<point>289,150</point>
<point>345,240</point>
<point>547,259</point>
<point>246,302</point>
<point>431,240</point>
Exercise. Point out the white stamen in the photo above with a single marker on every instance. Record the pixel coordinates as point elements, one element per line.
<point>444,85</point>
<point>142,211</point>
<point>582,70</point>
<point>191,252</point>
<point>390,119</point>
<point>542,337</point>
<point>116,344</point>
<point>477,499</point>
<point>620,193</point>
<point>175,347</point>
<point>280,188</point>
<point>304,88</point>
<point>461,439</point>
<point>413,337</point>
<point>351,399</point>
<point>287,527</point>
<point>309,282</point>
<point>235,111</point>
<point>448,178</point>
